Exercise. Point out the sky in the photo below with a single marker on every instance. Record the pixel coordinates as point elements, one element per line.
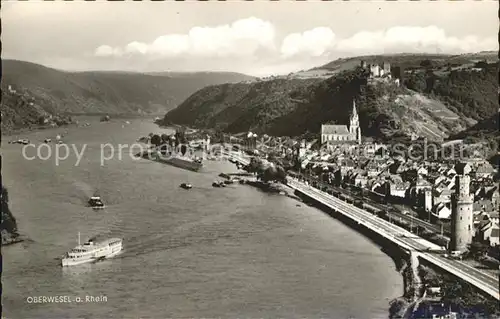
<point>259,38</point>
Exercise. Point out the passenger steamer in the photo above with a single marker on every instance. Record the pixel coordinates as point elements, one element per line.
<point>92,251</point>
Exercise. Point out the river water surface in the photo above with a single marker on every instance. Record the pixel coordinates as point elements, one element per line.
<point>205,252</point>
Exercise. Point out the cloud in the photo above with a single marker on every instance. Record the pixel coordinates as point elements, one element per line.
<point>315,42</point>
<point>241,38</point>
<point>106,50</point>
<point>412,39</point>
<point>256,39</point>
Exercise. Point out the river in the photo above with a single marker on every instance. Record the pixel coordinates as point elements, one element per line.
<point>204,252</point>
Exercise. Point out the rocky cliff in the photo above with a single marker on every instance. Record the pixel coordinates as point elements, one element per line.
<point>8,227</point>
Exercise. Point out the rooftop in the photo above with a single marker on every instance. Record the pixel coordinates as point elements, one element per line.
<point>334,129</point>
<point>462,168</point>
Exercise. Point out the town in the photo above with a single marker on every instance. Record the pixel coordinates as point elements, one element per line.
<point>420,184</point>
<point>419,187</point>
<point>444,192</point>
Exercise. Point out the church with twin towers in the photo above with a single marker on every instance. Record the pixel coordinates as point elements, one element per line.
<point>340,134</point>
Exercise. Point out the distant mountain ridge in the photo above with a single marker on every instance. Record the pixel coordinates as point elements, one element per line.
<point>487,129</point>
<point>36,90</point>
<point>407,60</point>
<point>299,103</point>
<point>486,133</point>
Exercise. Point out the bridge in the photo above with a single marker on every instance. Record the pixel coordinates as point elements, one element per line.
<point>408,241</point>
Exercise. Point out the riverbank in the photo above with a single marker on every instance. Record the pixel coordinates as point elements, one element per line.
<point>35,128</point>
<point>276,259</point>
<point>404,306</point>
<point>10,238</point>
<point>251,180</point>
<point>458,296</point>
<point>397,307</point>
<point>400,307</point>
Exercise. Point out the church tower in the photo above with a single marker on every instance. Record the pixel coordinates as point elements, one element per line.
<point>354,129</point>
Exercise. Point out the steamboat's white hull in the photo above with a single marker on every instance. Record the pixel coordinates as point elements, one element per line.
<point>109,252</point>
<point>72,262</point>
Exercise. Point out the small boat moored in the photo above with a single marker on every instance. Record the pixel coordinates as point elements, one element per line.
<point>95,202</point>
<point>218,184</point>
<point>186,186</point>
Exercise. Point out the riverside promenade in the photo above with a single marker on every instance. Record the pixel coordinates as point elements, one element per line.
<point>415,246</point>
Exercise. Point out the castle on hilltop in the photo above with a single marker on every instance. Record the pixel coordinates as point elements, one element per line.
<point>382,73</point>
<point>377,71</point>
<point>335,134</point>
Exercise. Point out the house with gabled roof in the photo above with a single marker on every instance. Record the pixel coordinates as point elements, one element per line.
<point>422,183</point>
<point>360,179</point>
<point>483,206</point>
<point>347,164</point>
<point>442,195</point>
<point>489,232</point>
<point>422,171</point>
<point>441,211</point>
<point>397,167</point>
<point>439,180</point>
<point>373,168</point>
<point>484,170</point>
<point>493,195</point>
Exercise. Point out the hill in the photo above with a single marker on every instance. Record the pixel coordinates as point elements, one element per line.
<point>485,131</point>
<point>483,137</point>
<point>296,104</point>
<point>411,60</point>
<point>36,90</point>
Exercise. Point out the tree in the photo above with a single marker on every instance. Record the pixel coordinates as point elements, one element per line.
<point>477,249</point>
<point>426,63</point>
<point>41,120</point>
<point>254,166</point>
<point>164,138</point>
<point>171,141</point>
<point>272,174</point>
<point>280,174</point>
<point>268,174</point>
<point>416,82</point>
<point>180,137</point>
<point>430,82</point>
<point>183,149</point>
<point>481,64</point>
<point>156,140</point>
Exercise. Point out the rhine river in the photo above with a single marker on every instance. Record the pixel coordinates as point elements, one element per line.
<point>206,252</point>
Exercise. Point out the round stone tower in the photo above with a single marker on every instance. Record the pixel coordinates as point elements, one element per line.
<point>462,223</point>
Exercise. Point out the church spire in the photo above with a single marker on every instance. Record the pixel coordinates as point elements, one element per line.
<point>354,130</point>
